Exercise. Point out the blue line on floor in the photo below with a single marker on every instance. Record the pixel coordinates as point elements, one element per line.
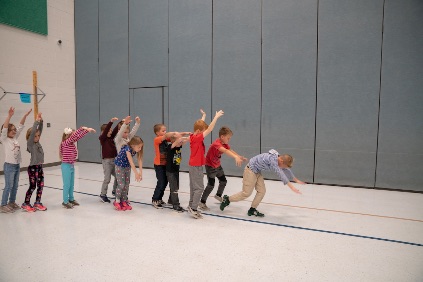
<point>281,225</point>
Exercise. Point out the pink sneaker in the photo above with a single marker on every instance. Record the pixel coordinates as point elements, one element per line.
<point>27,207</point>
<point>117,205</point>
<point>126,206</point>
<point>39,206</point>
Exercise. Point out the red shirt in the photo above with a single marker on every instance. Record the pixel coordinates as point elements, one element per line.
<point>197,150</point>
<point>213,154</point>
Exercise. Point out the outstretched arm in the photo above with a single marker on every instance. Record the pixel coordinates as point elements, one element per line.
<point>24,117</point>
<point>238,159</point>
<point>9,116</point>
<point>213,123</point>
<point>203,113</point>
<point>180,141</point>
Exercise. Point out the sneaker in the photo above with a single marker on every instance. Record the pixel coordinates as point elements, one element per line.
<point>6,209</point>
<point>253,211</point>
<point>219,198</point>
<point>179,209</point>
<point>126,206</point>
<point>225,203</point>
<point>28,207</point>
<point>117,206</point>
<point>164,204</point>
<point>67,205</point>
<point>157,204</point>
<point>199,214</point>
<point>203,206</point>
<point>14,206</point>
<point>39,206</point>
<point>104,199</point>
<point>193,212</point>
<point>74,203</point>
<point>114,193</point>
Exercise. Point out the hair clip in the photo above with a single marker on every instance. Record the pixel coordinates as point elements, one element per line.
<point>67,130</point>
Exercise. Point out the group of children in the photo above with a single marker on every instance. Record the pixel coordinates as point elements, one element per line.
<point>120,145</point>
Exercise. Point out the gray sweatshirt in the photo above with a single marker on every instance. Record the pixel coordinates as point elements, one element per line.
<point>36,150</point>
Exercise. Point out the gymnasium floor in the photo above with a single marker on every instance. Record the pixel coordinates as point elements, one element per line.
<point>327,234</point>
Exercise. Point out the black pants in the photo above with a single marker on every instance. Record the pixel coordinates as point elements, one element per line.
<point>36,178</point>
<point>212,173</point>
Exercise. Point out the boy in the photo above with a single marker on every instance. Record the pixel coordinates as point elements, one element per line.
<point>214,169</point>
<point>252,178</point>
<point>173,162</point>
<point>197,160</point>
<point>160,148</point>
<point>108,154</point>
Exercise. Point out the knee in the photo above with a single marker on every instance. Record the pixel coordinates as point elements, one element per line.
<point>222,180</point>
<point>211,181</point>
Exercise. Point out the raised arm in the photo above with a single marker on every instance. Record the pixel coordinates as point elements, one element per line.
<point>122,129</point>
<point>106,130</point>
<point>180,141</point>
<point>30,143</point>
<point>25,116</point>
<point>213,123</point>
<point>6,123</point>
<point>135,127</point>
<point>203,113</point>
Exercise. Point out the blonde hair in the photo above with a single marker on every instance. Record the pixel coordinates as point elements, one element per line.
<point>200,125</point>
<point>28,133</point>
<point>287,159</point>
<point>136,140</point>
<point>224,130</point>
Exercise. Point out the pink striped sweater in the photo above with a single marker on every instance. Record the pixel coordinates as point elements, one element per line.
<point>68,149</point>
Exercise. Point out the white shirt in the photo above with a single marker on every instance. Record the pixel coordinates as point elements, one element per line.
<point>12,150</point>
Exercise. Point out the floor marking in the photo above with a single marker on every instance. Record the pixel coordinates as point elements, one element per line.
<point>278,224</point>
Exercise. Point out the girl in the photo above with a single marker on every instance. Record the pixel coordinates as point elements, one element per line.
<point>35,168</point>
<point>68,153</point>
<point>124,163</point>
<point>9,139</point>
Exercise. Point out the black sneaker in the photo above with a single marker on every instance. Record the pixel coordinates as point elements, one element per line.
<point>253,211</point>
<point>225,203</point>
<point>114,193</point>
<point>179,209</point>
<point>157,204</point>
<point>74,203</point>
<point>104,199</point>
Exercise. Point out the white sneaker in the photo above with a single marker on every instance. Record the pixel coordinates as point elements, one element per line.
<point>203,206</point>
<point>218,198</point>
<point>193,212</point>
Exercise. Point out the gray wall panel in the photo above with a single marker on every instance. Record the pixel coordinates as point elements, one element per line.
<point>86,72</point>
<point>190,35</point>
<point>148,43</point>
<point>289,81</point>
<point>147,103</point>
<point>237,73</point>
<point>113,61</point>
<point>349,55</point>
<point>401,102</point>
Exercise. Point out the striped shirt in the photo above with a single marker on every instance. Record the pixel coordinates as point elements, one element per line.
<point>269,161</point>
<point>68,149</point>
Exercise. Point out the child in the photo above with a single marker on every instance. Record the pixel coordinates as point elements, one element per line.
<point>214,169</point>
<point>35,168</point>
<point>12,157</point>
<point>108,154</point>
<point>173,162</point>
<point>68,153</point>
<point>252,178</point>
<point>197,160</point>
<point>124,136</point>
<point>124,163</point>
<point>160,148</point>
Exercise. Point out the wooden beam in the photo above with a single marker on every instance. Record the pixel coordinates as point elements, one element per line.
<point>34,90</point>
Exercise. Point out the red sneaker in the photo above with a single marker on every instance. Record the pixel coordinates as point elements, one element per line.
<point>117,205</point>
<point>126,206</point>
<point>39,206</point>
<point>27,207</point>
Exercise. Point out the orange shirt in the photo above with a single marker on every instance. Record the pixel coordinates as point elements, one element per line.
<point>160,148</point>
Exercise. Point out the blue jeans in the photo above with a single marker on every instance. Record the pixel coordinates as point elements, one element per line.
<point>11,178</point>
<point>68,176</point>
<point>161,182</point>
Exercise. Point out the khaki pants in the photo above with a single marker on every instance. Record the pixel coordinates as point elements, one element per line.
<point>250,180</point>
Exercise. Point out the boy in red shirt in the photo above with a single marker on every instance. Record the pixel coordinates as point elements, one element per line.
<point>214,169</point>
<point>197,160</point>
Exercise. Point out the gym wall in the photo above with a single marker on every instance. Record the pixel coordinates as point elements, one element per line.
<point>335,83</point>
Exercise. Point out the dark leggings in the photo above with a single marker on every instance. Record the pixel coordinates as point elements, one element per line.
<point>36,178</point>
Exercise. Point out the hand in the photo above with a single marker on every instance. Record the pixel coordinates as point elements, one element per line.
<point>219,114</point>
<point>11,111</point>
<point>39,118</point>
<point>244,159</point>
<point>301,182</point>
<point>202,112</point>
<point>137,120</point>
<point>295,190</point>
<point>27,114</point>
<point>89,129</point>
<point>238,161</point>
<point>137,177</point>
<point>127,120</point>
<point>114,119</point>
<point>186,133</point>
